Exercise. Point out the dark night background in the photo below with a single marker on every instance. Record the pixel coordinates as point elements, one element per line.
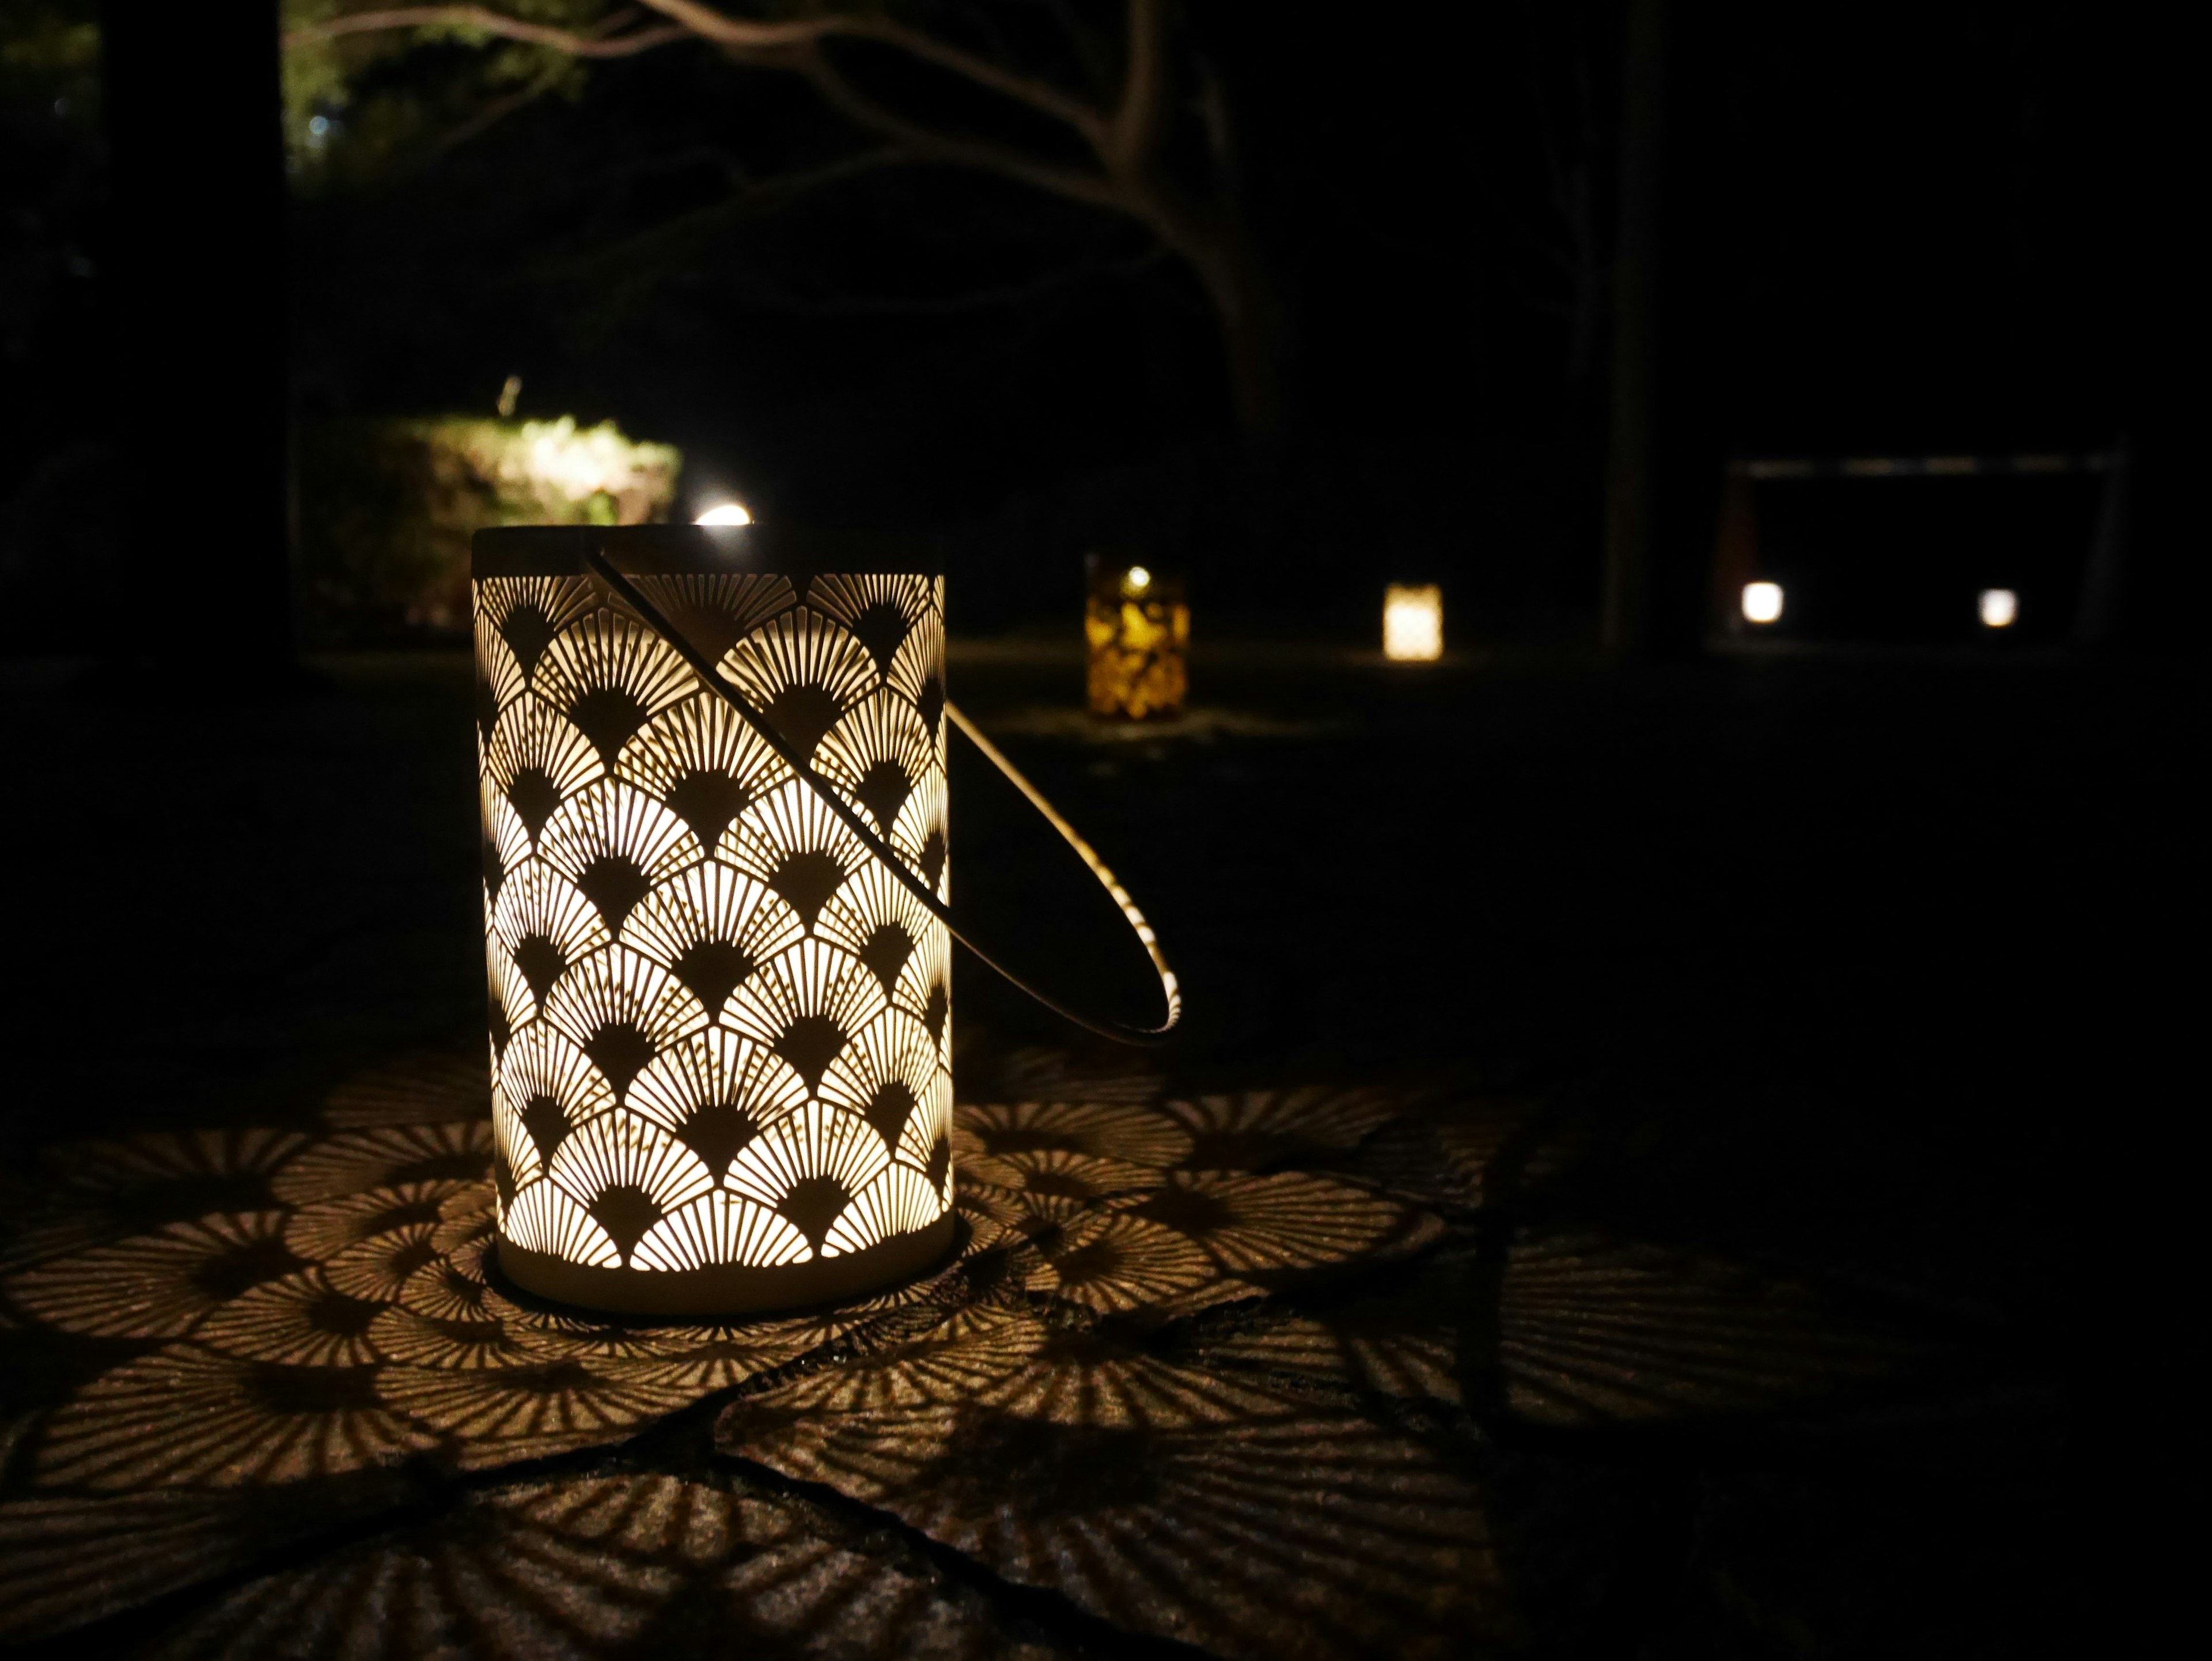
<point>1898,231</point>
<point>1842,945</point>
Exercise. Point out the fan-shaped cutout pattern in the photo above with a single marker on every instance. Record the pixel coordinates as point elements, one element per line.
<point>918,833</point>
<point>924,983</point>
<point>689,955</point>
<point>622,1009</point>
<point>549,1087</point>
<point>527,612</point>
<point>791,842</point>
<point>882,612</point>
<point>507,839</point>
<point>512,1003</point>
<point>500,677</point>
<point>926,1142</point>
<point>545,1218</point>
<point>537,759</point>
<point>714,612</point>
<point>917,672</point>
<point>898,1201</point>
<point>623,1151</point>
<point>873,916</point>
<point>614,842</point>
<point>610,677</point>
<point>721,1228</point>
<point>806,1005</point>
<point>894,1048</point>
<point>715,1065</point>
<point>803,671</point>
<point>517,1160</point>
<point>710,926</point>
<point>541,919</point>
<point>878,754</point>
<point>849,596</point>
<point>815,1142</point>
<point>701,761</point>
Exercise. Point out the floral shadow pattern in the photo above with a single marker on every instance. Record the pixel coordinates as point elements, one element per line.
<point>1195,1374</point>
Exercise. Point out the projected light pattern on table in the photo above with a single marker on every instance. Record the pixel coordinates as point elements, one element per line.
<point>720,1030</point>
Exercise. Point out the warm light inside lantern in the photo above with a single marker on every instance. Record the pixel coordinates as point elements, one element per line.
<point>1137,627</point>
<point>2000,608</point>
<point>720,1029</point>
<point>1412,623</point>
<point>727,512</point>
<point>1762,602</point>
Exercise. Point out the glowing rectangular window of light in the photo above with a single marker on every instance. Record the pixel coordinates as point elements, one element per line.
<point>1999,608</point>
<point>1412,623</point>
<point>1762,602</point>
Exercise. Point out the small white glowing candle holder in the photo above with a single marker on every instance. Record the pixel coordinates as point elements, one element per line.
<point>1412,623</point>
<point>2000,608</point>
<point>727,512</point>
<point>721,1033</point>
<point>1762,602</point>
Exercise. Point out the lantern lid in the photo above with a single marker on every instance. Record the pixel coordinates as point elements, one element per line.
<point>533,551</point>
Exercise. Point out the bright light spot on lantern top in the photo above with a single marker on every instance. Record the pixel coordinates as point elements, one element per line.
<point>1136,580</point>
<point>1412,623</point>
<point>1999,606</point>
<point>730,513</point>
<point>1762,601</point>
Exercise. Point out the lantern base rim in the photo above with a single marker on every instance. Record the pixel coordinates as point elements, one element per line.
<point>727,1288</point>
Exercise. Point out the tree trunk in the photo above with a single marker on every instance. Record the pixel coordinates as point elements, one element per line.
<point>1667,454</point>
<point>1246,310</point>
<point>1625,607</point>
<point>196,283</point>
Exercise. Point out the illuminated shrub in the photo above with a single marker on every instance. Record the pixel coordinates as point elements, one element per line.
<point>386,507</point>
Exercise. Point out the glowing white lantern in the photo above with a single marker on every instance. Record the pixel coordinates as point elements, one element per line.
<point>1762,602</point>
<point>720,1029</point>
<point>728,513</point>
<point>1999,608</point>
<point>1412,623</point>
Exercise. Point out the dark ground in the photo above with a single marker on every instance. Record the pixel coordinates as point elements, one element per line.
<point>1813,961</point>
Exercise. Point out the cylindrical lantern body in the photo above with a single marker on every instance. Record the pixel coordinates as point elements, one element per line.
<point>1136,624</point>
<point>720,1029</point>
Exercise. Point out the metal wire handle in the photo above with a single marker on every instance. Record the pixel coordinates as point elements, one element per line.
<point>624,589</point>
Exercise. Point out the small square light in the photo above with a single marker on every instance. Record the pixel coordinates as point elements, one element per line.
<point>1412,623</point>
<point>2000,608</point>
<point>1762,602</point>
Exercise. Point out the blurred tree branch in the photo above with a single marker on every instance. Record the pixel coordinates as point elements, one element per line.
<point>484,21</point>
<point>1116,153</point>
